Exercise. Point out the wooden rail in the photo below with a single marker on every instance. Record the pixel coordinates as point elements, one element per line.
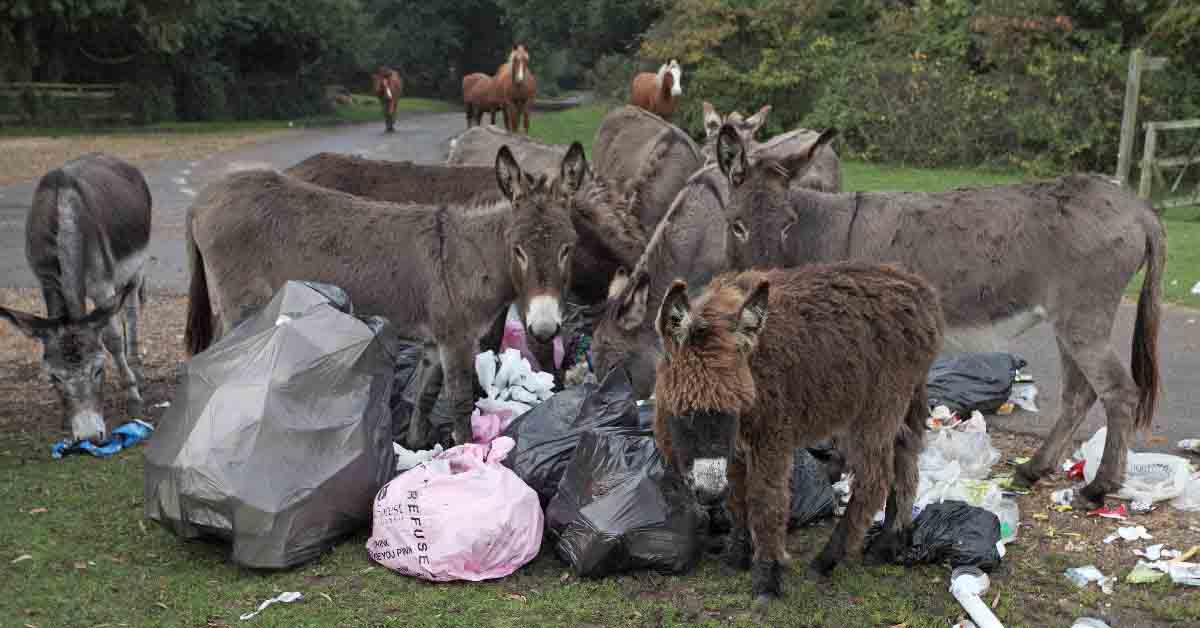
<point>1152,169</point>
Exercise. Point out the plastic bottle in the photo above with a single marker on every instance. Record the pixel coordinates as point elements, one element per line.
<point>1010,519</point>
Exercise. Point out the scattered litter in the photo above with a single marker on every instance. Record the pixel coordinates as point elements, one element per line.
<point>1184,573</point>
<point>123,437</point>
<point>1024,396</point>
<point>1081,576</point>
<point>955,532</point>
<point>1089,622</point>
<point>1019,460</point>
<point>1196,288</point>
<point>619,509</point>
<point>972,381</point>
<point>1189,499</point>
<point>1190,444</point>
<point>22,557</point>
<point>1120,512</point>
<point>966,585</point>
<point>1129,533</point>
<point>514,338</point>
<point>1148,476</point>
<point>511,385</point>
<point>463,516</point>
<point>284,598</point>
<point>1075,471</point>
<point>841,488</point>
<point>165,404</point>
<point>1063,497</point>
<point>1195,549</point>
<point>1142,507</point>
<point>1153,552</point>
<point>38,511</point>
<point>406,459</point>
<point>941,417</point>
<point>1144,573</point>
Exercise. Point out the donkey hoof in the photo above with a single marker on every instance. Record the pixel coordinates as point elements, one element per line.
<point>884,550</point>
<point>738,550</point>
<point>761,605</point>
<point>1088,498</point>
<point>821,567</point>
<point>1026,476</point>
<point>766,577</point>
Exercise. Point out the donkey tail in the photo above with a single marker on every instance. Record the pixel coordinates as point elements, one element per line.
<point>1144,356</point>
<point>198,333</point>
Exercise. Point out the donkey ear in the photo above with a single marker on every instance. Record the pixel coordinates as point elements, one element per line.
<point>99,317</point>
<point>675,315</point>
<point>752,316</point>
<point>731,155</point>
<point>798,162</point>
<point>574,169</point>
<point>758,119</point>
<point>632,311</point>
<point>508,174</point>
<point>619,281</point>
<point>33,326</point>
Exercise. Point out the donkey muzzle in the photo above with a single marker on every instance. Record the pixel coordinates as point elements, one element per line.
<point>88,425</point>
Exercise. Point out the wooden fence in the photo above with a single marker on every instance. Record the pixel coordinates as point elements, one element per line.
<point>1152,167</point>
<point>98,93</point>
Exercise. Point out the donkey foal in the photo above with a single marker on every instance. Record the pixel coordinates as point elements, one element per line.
<point>845,356</point>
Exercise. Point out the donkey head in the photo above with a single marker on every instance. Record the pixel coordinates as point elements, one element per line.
<point>73,358</point>
<point>757,211</point>
<point>621,338</point>
<point>704,380</point>
<point>670,78</point>
<point>746,128</point>
<point>541,236</point>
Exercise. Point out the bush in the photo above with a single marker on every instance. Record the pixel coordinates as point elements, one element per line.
<point>611,76</point>
<point>149,103</point>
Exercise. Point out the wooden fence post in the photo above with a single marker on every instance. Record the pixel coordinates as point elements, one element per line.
<point>1145,187</point>
<point>1133,85</point>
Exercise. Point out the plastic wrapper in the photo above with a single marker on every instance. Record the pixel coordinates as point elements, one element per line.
<point>972,381</point>
<point>619,509</point>
<point>1189,499</point>
<point>460,516</point>
<point>280,433</point>
<point>547,435</point>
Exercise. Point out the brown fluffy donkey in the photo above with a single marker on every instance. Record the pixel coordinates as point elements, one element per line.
<point>764,362</point>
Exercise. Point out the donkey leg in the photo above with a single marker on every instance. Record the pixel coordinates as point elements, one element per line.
<point>873,465</point>
<point>133,306</point>
<point>114,341</point>
<point>767,500</point>
<point>458,362</point>
<point>897,518</point>
<point>739,550</point>
<point>1119,394</point>
<point>427,394</point>
<point>1077,397</point>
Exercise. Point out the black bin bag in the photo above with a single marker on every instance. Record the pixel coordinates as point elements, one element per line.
<point>548,433</point>
<point>965,382</point>
<point>953,532</point>
<point>280,434</point>
<point>619,509</point>
<point>812,497</point>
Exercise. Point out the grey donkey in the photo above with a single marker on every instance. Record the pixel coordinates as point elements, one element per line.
<point>86,238</point>
<point>1003,258</point>
<point>439,273</point>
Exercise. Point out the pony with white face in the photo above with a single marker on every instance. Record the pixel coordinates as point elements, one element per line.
<point>658,92</point>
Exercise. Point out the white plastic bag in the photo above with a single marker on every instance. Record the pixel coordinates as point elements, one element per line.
<point>1189,499</point>
<point>973,451</point>
<point>1149,477</point>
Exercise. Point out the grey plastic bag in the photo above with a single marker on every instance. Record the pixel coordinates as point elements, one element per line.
<point>280,435</point>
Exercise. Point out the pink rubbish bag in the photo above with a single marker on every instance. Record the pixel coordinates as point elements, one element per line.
<point>486,428</point>
<point>460,516</point>
<point>514,338</point>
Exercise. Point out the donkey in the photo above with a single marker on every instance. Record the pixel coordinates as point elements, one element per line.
<point>825,172</point>
<point>1061,251</point>
<point>478,146</point>
<point>517,87</point>
<point>456,267</point>
<point>688,243</point>
<point>763,362</point>
<point>480,96</point>
<point>387,86</point>
<point>86,237</point>
<point>398,181</point>
<point>658,92</point>
<point>653,158</point>
<point>746,127</point>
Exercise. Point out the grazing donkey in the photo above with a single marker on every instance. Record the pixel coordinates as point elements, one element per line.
<point>658,92</point>
<point>688,243</point>
<point>1004,258</point>
<point>86,237</point>
<point>478,146</point>
<point>398,181</point>
<point>454,269</point>
<point>764,362</point>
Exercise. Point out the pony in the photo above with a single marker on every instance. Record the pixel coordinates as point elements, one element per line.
<point>480,96</point>
<point>517,88</point>
<point>658,92</point>
<point>387,85</point>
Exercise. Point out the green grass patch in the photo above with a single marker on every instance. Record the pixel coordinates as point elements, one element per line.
<point>570,125</point>
<point>363,108</point>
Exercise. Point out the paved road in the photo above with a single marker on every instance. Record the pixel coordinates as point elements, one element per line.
<point>425,138</point>
<point>173,185</point>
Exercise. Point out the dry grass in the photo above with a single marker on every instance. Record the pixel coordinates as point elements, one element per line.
<point>25,158</point>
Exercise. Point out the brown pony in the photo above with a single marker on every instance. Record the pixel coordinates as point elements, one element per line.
<point>517,88</point>
<point>481,95</point>
<point>658,92</point>
<point>387,86</point>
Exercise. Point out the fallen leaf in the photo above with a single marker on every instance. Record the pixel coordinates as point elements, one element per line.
<point>21,558</point>
<point>326,596</point>
<point>162,606</point>
<point>37,511</point>
<point>515,596</point>
<point>1041,516</point>
<point>904,625</point>
<point>79,564</point>
<point>996,600</point>
<point>566,576</point>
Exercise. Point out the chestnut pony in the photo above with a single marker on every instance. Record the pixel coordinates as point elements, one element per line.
<point>387,86</point>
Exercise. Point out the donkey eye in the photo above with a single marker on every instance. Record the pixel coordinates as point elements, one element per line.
<point>97,372</point>
<point>519,255</point>
<point>739,230</point>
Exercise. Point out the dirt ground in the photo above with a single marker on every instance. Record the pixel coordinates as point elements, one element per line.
<point>1048,540</point>
<point>27,158</point>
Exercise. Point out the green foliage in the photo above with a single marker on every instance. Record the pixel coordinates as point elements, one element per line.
<point>148,102</point>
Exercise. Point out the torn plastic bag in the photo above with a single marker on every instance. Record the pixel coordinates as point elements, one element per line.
<point>957,533</point>
<point>619,509</point>
<point>460,516</point>
<point>406,361</point>
<point>1149,477</point>
<point>279,435</point>
<point>972,381</point>
<point>547,435</point>
<point>812,493</point>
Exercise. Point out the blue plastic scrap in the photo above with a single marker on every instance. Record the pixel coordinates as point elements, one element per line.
<point>127,435</point>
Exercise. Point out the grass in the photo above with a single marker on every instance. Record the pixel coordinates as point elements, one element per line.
<point>564,127</point>
<point>363,108</point>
